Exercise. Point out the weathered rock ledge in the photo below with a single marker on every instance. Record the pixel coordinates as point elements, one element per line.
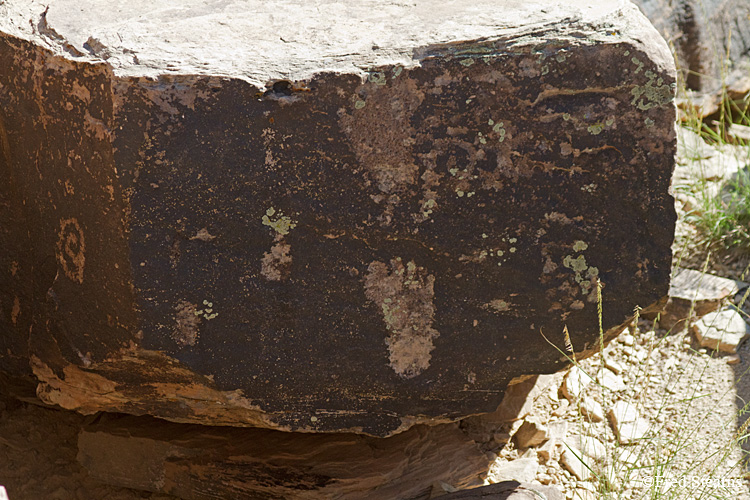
<point>238,215</point>
<point>197,462</point>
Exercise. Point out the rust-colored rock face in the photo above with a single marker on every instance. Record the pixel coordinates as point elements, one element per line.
<point>323,230</point>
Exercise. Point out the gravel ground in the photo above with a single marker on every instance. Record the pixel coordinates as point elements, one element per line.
<point>685,396</point>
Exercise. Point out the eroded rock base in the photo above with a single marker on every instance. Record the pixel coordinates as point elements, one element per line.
<point>195,462</point>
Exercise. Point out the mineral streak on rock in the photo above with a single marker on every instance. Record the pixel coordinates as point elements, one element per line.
<point>514,158</point>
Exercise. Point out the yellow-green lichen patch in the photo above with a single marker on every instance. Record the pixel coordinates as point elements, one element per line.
<point>596,128</point>
<point>404,296</point>
<point>648,122</point>
<point>638,63</point>
<point>377,77</point>
<point>359,104</point>
<point>501,254</point>
<point>207,312</point>
<point>577,264</point>
<point>500,131</point>
<point>467,61</point>
<point>584,274</point>
<point>396,71</point>
<point>427,207</point>
<point>580,246</point>
<point>278,221</point>
<point>654,93</point>
<point>498,305</point>
<point>477,50</point>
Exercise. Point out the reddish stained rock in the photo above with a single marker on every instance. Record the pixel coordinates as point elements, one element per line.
<point>371,224</point>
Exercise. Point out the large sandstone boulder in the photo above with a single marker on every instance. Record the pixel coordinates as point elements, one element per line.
<point>324,216</point>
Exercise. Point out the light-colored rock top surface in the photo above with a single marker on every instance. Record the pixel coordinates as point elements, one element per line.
<point>266,40</point>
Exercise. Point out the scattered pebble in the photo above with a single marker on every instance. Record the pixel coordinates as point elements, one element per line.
<point>592,410</point>
<point>723,330</point>
<point>577,463</point>
<point>531,433</point>
<point>610,381</point>
<point>522,470</point>
<point>574,383</point>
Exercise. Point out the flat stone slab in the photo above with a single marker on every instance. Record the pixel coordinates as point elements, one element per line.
<point>531,433</point>
<point>696,286</point>
<point>589,446</point>
<point>577,463</point>
<point>722,330</point>
<point>628,425</point>
<point>575,382</point>
<point>324,216</point>
<point>520,469</point>
<point>696,292</point>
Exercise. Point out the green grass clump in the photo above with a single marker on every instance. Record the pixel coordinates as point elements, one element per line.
<point>722,218</point>
<point>675,461</point>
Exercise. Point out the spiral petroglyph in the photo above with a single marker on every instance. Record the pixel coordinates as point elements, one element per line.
<point>71,249</point>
